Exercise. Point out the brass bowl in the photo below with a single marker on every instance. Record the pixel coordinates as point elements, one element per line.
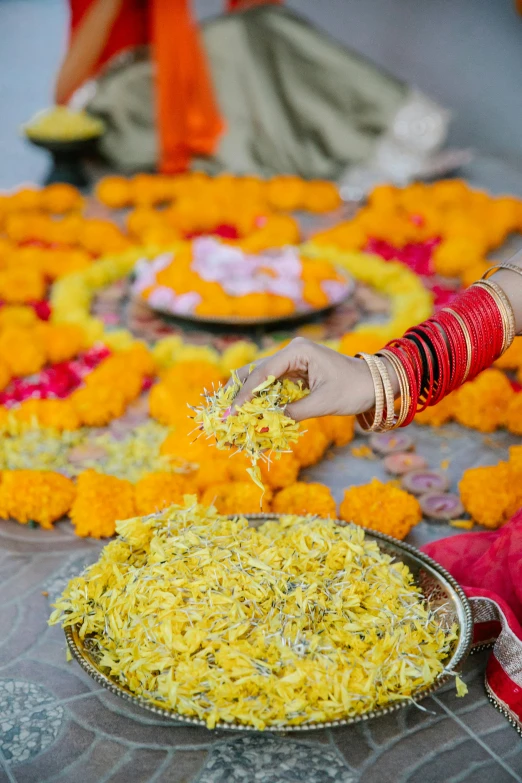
<point>441,591</point>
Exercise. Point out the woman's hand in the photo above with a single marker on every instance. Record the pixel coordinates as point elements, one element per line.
<point>339,385</point>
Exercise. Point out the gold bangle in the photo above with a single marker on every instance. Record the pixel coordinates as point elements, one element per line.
<point>506,311</point>
<point>389,419</point>
<point>378,408</point>
<point>499,267</point>
<point>403,385</point>
<point>467,340</point>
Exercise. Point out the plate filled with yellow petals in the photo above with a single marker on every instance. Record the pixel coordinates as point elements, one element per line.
<point>266,622</point>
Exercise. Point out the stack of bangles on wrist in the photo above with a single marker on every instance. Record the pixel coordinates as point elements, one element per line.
<point>434,358</point>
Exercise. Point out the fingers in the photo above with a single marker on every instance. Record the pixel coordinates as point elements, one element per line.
<point>276,365</point>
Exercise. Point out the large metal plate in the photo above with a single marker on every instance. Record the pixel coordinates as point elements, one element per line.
<point>441,591</point>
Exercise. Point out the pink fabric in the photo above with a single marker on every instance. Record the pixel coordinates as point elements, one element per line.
<point>489,567</point>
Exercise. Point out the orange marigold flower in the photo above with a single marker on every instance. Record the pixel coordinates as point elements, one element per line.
<point>473,273</point>
<point>314,295</point>
<point>381,507</point>
<point>5,374</point>
<point>17,316</point>
<point>513,415</point>
<point>286,193</point>
<point>482,403</point>
<point>58,262</point>
<point>115,192</point>
<point>156,491</point>
<point>97,404</point>
<point>61,342</point>
<point>353,342</point>
<point>279,473</point>
<point>338,429</point>
<point>437,415</point>
<point>512,359</point>
<point>100,502</point>
<point>304,499</point>
<point>491,494</point>
<point>55,414</point>
<point>60,198</point>
<point>237,497</point>
<point>321,196</point>
<point>456,254</point>
<point>21,284</point>
<point>312,445</point>
<point>194,375</point>
<point>21,351</point>
<point>35,495</point>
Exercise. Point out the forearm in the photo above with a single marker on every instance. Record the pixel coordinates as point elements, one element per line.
<point>86,47</point>
<point>457,343</point>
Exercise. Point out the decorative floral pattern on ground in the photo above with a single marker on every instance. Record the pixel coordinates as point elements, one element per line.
<point>27,735</point>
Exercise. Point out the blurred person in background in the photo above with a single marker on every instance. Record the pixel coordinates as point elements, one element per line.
<point>257,90</point>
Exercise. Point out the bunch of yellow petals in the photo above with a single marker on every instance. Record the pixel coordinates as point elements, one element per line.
<point>381,507</point>
<point>100,502</point>
<point>293,623</point>
<point>259,427</point>
<point>305,500</point>
<point>492,494</point>
<point>35,496</point>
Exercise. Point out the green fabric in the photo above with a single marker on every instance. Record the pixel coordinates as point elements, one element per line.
<point>293,100</point>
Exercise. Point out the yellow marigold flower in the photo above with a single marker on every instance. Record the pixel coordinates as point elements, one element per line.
<point>338,429</point>
<point>305,499</point>
<point>381,507</point>
<point>482,404</point>
<point>22,351</point>
<point>312,444</point>
<point>35,495</point>
<point>237,497</point>
<point>100,502</point>
<point>156,491</point>
<point>55,414</point>
<point>237,355</point>
<point>491,494</point>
